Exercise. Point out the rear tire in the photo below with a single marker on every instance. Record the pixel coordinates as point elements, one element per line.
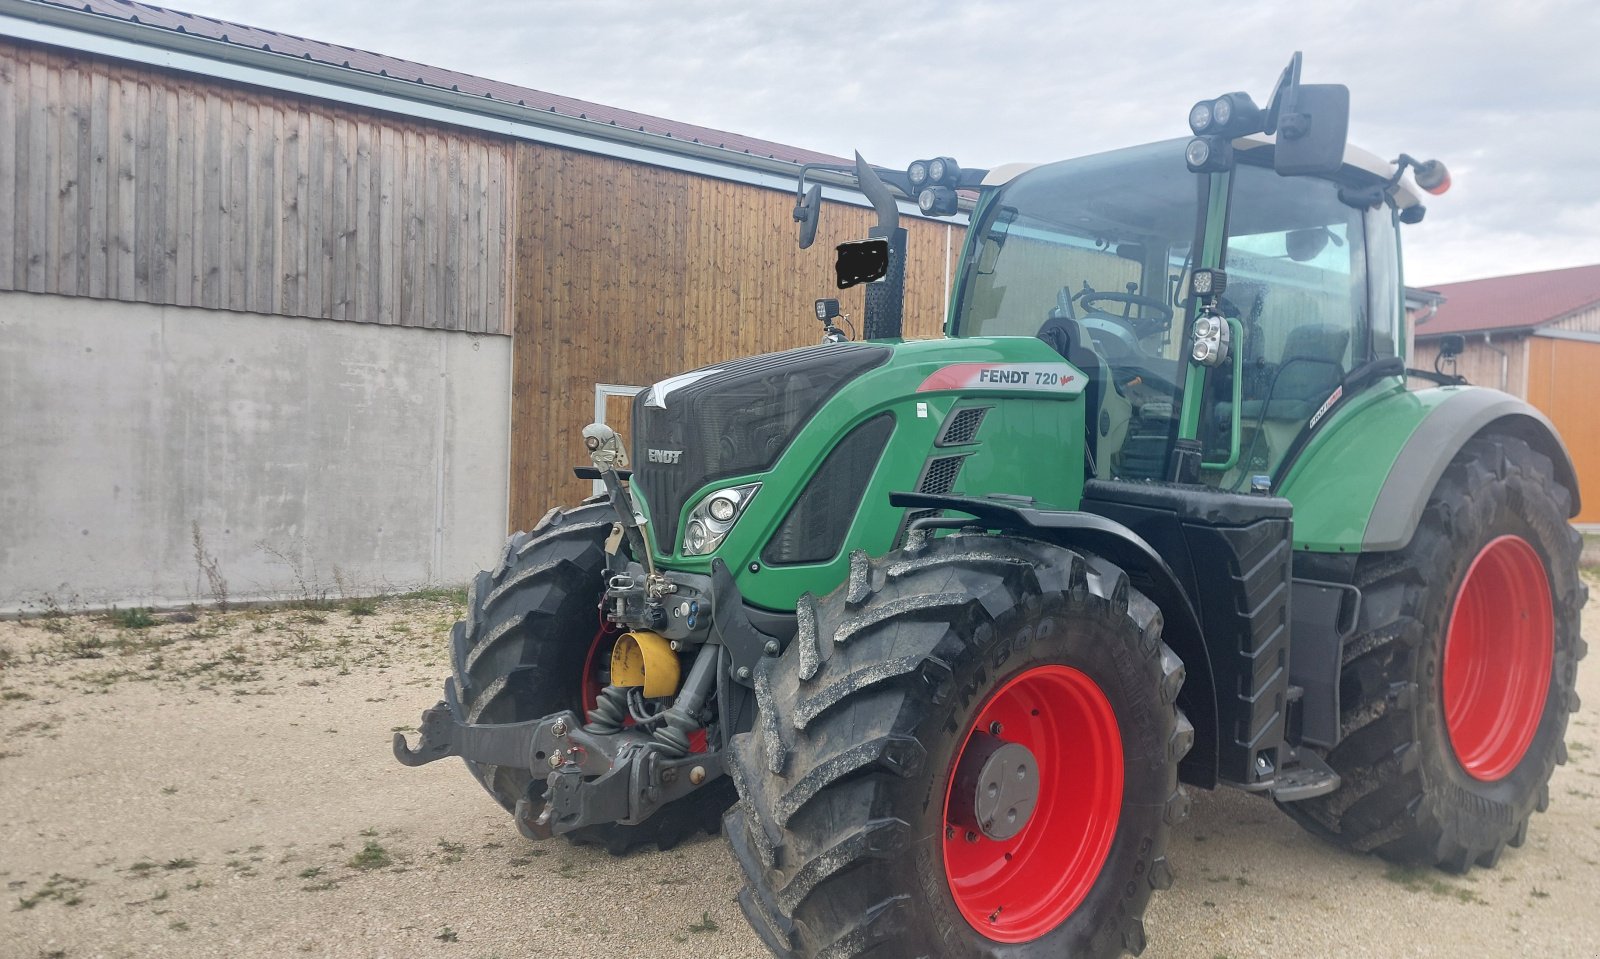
<point>1456,687</point>
<point>533,643</point>
<point>843,828</point>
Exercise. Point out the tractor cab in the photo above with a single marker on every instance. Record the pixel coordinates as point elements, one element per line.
<point>1098,257</point>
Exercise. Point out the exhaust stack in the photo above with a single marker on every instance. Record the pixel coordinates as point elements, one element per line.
<point>886,297</point>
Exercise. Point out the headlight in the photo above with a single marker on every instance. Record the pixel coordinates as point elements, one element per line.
<point>723,507</point>
<point>710,521</point>
<point>917,173</point>
<point>1200,116</point>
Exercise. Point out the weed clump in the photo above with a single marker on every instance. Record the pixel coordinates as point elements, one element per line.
<point>372,856</point>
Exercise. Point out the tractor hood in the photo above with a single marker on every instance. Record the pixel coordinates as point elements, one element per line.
<point>815,439</point>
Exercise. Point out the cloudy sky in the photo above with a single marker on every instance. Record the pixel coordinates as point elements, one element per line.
<point>1507,93</point>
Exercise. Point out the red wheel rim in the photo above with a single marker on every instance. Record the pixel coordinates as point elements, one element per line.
<point>1497,658</point>
<point>1021,888</point>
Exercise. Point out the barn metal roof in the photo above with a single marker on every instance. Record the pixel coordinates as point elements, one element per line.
<point>292,47</point>
<point>1526,301</point>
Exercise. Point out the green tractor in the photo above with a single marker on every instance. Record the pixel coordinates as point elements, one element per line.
<point>943,627</point>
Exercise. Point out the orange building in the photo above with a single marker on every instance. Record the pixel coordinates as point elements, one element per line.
<point>1536,336</point>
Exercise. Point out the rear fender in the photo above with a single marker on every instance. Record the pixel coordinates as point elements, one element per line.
<point>1362,482</point>
<point>1437,440</point>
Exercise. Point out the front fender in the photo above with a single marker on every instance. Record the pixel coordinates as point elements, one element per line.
<point>1362,482</point>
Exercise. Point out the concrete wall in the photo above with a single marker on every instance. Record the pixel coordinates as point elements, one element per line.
<point>312,456</point>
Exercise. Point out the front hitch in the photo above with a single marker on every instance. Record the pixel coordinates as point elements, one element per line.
<point>591,778</point>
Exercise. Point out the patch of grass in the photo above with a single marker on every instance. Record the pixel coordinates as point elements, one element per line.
<point>452,851</point>
<point>446,935</point>
<point>362,607</point>
<point>172,864</point>
<point>444,594</point>
<point>706,923</point>
<point>1416,879</point>
<point>58,888</point>
<point>143,867</point>
<point>15,695</point>
<point>135,618</point>
<point>372,856</point>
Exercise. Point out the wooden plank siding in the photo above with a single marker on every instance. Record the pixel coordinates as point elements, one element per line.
<point>1561,384</point>
<point>139,184</point>
<point>1500,363</point>
<point>627,273</point>
<point>136,183</point>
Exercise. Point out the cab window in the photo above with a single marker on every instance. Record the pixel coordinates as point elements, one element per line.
<point>1296,264</point>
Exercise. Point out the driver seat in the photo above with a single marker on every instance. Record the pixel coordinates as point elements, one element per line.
<point>1312,367</point>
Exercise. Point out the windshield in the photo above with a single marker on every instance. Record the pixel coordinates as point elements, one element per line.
<point>1119,223</point>
<point>1090,256</point>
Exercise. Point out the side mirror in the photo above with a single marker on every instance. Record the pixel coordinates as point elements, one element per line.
<point>807,210</point>
<point>1311,138</point>
<point>861,261</point>
<point>1453,344</point>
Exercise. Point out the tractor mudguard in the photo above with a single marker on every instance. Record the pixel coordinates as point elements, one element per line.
<point>1362,481</point>
<point>1113,541</point>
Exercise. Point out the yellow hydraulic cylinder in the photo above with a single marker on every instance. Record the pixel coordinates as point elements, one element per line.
<point>644,658</point>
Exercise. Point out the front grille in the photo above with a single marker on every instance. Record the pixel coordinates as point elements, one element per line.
<point>815,528</point>
<point>734,421</point>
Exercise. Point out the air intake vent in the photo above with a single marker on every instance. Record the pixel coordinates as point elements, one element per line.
<point>815,528</point>
<point>939,476</point>
<point>961,427</point>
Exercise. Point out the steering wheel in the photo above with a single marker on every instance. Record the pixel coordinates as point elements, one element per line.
<point>1162,313</point>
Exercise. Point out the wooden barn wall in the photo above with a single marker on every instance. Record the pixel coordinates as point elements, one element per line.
<point>1561,384</point>
<point>1587,321</point>
<point>1482,363</point>
<point>136,184</point>
<point>627,274</point>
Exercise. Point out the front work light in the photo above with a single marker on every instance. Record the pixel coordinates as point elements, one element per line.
<point>1230,115</point>
<point>944,170</point>
<point>1208,282</point>
<point>1209,340</point>
<point>917,173</point>
<point>1208,154</point>
<point>937,201</point>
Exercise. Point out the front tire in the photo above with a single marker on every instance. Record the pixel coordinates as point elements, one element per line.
<point>533,643</point>
<point>1456,687</point>
<point>846,828</point>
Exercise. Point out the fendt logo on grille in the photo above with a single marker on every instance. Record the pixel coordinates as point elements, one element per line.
<point>670,457</point>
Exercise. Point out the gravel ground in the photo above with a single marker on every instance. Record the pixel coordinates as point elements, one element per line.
<point>223,787</point>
